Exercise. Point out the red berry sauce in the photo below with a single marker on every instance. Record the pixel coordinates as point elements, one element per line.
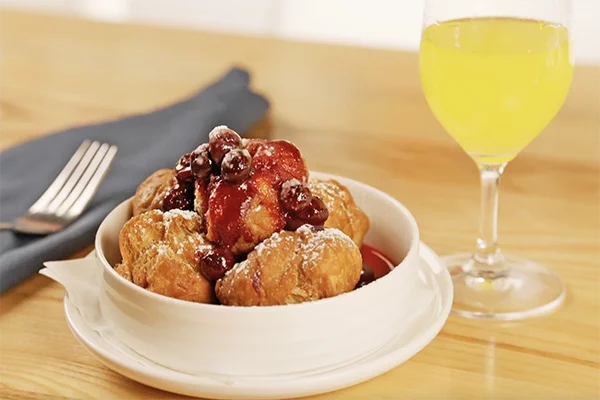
<point>375,265</point>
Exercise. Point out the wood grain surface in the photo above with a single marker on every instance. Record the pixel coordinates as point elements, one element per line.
<point>354,112</point>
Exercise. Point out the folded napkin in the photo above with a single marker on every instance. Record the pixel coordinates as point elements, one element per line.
<point>146,143</point>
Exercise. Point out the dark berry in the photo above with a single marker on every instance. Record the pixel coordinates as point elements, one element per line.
<point>220,141</point>
<point>203,148</point>
<point>294,195</point>
<point>201,162</point>
<point>215,262</point>
<point>293,223</point>
<point>236,166</point>
<point>366,276</point>
<point>183,170</point>
<point>315,214</point>
<point>180,196</point>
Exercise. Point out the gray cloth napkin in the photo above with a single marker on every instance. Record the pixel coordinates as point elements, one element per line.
<point>146,143</point>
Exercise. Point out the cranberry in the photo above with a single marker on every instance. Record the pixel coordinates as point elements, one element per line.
<point>367,276</point>
<point>180,196</point>
<point>294,195</point>
<point>315,214</point>
<point>201,162</point>
<point>293,223</point>
<point>236,166</point>
<point>215,262</point>
<point>183,170</point>
<point>220,141</point>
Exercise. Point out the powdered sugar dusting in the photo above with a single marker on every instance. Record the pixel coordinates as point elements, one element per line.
<point>180,246</point>
<point>176,240</point>
<point>147,217</point>
<point>213,194</point>
<point>270,243</point>
<point>312,247</point>
<point>264,149</point>
<point>236,268</point>
<point>331,233</point>
<point>245,207</point>
<point>204,246</point>
<point>318,240</point>
<point>292,182</point>
<point>186,214</point>
<point>328,187</point>
<point>162,249</point>
<point>305,230</point>
<point>216,130</point>
<point>170,215</point>
<point>239,268</point>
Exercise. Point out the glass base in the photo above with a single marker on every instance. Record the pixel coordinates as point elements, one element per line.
<point>523,290</point>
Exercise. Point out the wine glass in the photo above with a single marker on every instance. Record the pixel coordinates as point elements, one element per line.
<point>495,73</point>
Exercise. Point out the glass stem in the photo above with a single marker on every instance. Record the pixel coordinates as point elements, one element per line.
<point>488,261</point>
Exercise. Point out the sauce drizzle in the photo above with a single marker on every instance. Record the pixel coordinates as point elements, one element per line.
<point>375,265</point>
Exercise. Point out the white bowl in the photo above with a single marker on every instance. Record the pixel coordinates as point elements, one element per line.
<point>254,341</point>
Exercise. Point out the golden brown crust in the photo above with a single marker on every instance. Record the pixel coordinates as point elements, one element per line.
<point>151,193</point>
<point>293,267</point>
<point>158,251</point>
<point>344,214</point>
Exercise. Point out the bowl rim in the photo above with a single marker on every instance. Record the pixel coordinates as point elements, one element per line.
<point>305,306</point>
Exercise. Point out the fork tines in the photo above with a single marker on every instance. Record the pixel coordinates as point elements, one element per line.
<point>77,183</point>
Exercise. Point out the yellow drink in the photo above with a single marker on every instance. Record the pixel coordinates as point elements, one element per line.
<point>495,83</point>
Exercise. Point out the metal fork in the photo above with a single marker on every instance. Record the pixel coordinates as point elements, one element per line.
<point>72,190</point>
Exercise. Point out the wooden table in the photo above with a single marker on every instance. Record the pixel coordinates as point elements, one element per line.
<point>355,112</point>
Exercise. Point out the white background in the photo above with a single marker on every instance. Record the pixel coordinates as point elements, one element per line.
<point>394,24</point>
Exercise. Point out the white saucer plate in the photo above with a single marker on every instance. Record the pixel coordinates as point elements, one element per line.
<point>434,303</point>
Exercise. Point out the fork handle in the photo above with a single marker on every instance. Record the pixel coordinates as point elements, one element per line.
<point>6,226</point>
